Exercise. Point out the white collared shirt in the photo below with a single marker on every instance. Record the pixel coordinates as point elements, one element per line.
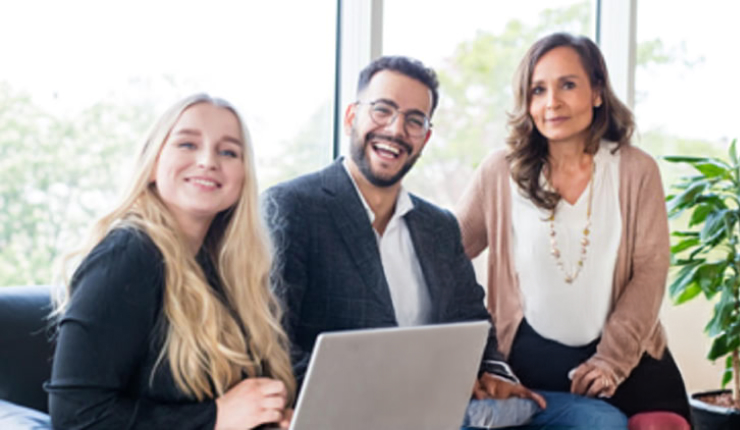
<point>408,288</point>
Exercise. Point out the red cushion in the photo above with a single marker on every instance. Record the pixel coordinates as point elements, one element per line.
<point>658,421</point>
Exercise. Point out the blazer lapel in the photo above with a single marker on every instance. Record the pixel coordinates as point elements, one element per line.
<point>423,234</point>
<point>351,220</point>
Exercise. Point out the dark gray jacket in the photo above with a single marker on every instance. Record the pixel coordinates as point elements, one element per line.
<point>329,273</point>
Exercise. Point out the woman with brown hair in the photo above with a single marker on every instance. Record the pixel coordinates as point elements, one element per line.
<point>575,222</point>
<point>169,321</point>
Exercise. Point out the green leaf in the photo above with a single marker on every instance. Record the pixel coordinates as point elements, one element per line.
<point>685,234</point>
<point>734,327</point>
<point>713,168</point>
<point>689,292</point>
<point>683,279</point>
<point>685,244</point>
<point>685,159</point>
<point>687,197</point>
<point>722,346</point>
<point>727,374</point>
<point>710,276</point>
<point>678,262</point>
<point>722,317</point>
<point>699,250</point>
<point>700,213</point>
<point>712,199</point>
<point>714,226</point>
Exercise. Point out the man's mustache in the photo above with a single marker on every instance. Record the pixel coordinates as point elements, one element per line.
<point>375,136</point>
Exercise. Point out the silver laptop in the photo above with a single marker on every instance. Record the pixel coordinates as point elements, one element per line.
<point>411,378</point>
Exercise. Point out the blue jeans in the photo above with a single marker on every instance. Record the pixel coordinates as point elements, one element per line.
<point>564,411</point>
<point>14,416</point>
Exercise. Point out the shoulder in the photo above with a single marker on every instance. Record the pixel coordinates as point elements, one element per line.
<point>495,162</point>
<point>639,178</point>
<point>490,184</point>
<point>299,185</point>
<point>431,212</point>
<point>124,261</point>
<point>127,246</point>
<point>293,194</point>
<point>635,161</point>
<point>493,173</point>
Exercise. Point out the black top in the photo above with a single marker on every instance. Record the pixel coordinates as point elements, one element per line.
<point>109,340</point>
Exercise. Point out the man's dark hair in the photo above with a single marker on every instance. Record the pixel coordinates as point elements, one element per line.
<point>410,67</point>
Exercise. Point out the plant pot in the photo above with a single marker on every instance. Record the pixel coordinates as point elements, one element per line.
<point>710,417</point>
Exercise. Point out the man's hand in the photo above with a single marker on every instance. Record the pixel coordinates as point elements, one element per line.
<point>494,387</point>
<point>589,380</point>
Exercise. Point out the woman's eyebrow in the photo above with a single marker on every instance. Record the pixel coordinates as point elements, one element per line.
<point>231,139</point>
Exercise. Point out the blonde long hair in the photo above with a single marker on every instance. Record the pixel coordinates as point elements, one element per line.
<point>209,347</point>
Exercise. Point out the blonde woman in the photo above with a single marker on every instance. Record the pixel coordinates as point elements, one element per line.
<point>169,321</point>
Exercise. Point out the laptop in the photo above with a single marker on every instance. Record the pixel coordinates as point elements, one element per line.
<point>410,378</point>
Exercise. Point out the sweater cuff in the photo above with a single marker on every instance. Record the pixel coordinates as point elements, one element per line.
<point>500,369</point>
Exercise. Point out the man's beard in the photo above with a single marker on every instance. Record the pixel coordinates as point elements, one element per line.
<point>358,152</point>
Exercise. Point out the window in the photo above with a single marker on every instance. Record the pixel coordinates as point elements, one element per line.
<point>83,81</point>
<point>475,48</point>
<point>684,84</point>
<point>686,104</point>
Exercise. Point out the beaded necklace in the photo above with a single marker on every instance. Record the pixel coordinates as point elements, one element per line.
<point>570,276</point>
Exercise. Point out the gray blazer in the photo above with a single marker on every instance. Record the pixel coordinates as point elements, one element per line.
<point>329,273</point>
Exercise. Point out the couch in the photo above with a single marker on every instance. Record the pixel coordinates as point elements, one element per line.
<point>26,350</point>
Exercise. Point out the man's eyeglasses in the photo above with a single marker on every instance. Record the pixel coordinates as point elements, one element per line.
<point>383,113</point>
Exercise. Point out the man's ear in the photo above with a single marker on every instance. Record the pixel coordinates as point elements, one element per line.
<point>426,139</point>
<point>349,118</point>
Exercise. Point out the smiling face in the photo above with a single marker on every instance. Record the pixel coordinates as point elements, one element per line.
<point>561,97</point>
<point>200,167</point>
<point>385,153</point>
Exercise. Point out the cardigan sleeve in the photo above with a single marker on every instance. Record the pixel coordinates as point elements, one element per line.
<point>641,277</point>
<point>471,212</point>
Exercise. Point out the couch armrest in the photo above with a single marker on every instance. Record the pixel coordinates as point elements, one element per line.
<point>26,349</point>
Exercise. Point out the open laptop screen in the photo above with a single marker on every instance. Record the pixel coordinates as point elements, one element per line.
<point>391,378</point>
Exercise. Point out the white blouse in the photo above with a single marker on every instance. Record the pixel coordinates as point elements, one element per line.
<point>574,313</point>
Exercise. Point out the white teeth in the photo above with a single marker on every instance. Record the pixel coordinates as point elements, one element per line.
<point>388,148</point>
<point>204,182</point>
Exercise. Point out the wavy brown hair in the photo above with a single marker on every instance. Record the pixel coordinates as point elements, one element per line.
<point>528,155</point>
<point>208,347</point>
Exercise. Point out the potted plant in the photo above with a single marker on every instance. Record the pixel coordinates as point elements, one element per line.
<point>707,255</point>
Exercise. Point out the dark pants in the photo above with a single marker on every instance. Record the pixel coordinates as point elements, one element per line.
<point>543,364</point>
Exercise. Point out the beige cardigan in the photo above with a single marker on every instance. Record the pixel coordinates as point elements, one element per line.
<point>632,327</point>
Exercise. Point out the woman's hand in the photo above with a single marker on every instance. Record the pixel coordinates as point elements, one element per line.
<point>285,423</point>
<point>252,402</point>
<point>589,380</point>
